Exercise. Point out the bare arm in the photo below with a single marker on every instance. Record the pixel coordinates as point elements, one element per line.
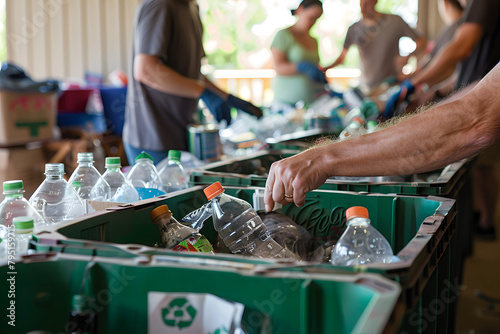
<point>443,64</point>
<point>282,65</point>
<point>150,71</point>
<point>340,59</point>
<point>419,51</point>
<point>443,134</point>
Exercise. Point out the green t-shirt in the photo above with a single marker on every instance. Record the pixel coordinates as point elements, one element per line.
<point>294,88</point>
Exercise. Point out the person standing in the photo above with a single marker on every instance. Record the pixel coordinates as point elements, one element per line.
<point>296,58</point>
<point>377,37</point>
<point>166,82</point>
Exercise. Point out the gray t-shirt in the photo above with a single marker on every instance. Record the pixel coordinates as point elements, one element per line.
<point>486,54</point>
<point>171,30</point>
<point>378,47</point>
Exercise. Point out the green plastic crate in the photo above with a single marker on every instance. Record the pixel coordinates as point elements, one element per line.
<point>283,303</point>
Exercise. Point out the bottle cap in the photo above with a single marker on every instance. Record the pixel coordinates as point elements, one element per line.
<point>13,185</point>
<point>113,162</point>
<point>76,184</point>
<point>54,168</point>
<point>23,223</point>
<point>85,157</point>
<point>144,155</point>
<point>213,190</point>
<point>174,155</point>
<point>161,210</point>
<point>371,124</point>
<point>356,211</point>
<point>357,119</point>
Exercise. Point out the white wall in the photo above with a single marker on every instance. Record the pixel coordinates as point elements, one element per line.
<point>65,38</point>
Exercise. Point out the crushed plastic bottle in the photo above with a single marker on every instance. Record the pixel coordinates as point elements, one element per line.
<point>176,236</point>
<point>54,199</point>
<point>144,173</point>
<point>241,228</point>
<point>172,174</point>
<point>15,205</point>
<point>121,189</point>
<point>361,243</point>
<point>91,185</point>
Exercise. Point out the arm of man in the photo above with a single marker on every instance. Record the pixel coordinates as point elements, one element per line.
<point>339,60</point>
<point>149,70</point>
<point>443,64</point>
<point>441,135</point>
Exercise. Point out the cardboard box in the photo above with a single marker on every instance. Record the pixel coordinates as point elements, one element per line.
<point>23,163</point>
<point>26,117</point>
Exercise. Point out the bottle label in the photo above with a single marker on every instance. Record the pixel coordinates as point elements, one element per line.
<point>195,243</point>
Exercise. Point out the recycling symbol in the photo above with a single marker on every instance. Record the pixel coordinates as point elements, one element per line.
<point>179,313</point>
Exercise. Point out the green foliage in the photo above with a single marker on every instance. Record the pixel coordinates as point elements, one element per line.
<point>3,33</point>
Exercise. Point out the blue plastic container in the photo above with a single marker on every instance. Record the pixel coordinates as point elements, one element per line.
<point>113,102</point>
<point>88,122</point>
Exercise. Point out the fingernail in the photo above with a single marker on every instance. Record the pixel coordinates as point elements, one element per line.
<point>268,208</point>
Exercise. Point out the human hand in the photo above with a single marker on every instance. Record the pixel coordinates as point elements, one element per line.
<point>243,105</point>
<point>311,71</point>
<point>404,93</point>
<point>290,179</point>
<point>217,106</point>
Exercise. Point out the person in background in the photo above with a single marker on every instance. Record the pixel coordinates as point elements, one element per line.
<point>377,37</point>
<point>167,83</point>
<point>458,127</point>
<point>296,58</point>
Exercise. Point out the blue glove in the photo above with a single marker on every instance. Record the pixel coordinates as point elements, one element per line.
<point>392,103</point>
<point>217,106</point>
<point>311,71</point>
<point>336,94</point>
<point>243,105</point>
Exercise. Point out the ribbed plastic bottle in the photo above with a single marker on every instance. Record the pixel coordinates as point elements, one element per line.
<point>172,174</point>
<point>177,236</point>
<point>15,205</point>
<point>241,228</point>
<point>144,173</point>
<point>361,243</point>
<point>92,185</point>
<point>55,200</point>
<point>121,189</point>
<point>23,231</point>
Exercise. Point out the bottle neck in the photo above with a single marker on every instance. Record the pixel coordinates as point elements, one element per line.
<point>174,162</point>
<point>15,195</point>
<point>358,221</point>
<point>113,169</point>
<point>54,177</point>
<point>85,164</point>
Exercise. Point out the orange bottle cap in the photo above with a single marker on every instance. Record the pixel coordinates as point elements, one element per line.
<point>357,119</point>
<point>213,190</point>
<point>161,210</point>
<point>356,211</point>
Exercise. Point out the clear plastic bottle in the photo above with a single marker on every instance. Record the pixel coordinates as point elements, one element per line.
<point>92,185</point>
<point>15,205</point>
<point>172,174</point>
<point>121,189</point>
<point>24,231</point>
<point>241,228</point>
<point>361,243</point>
<point>353,129</point>
<point>174,233</point>
<point>55,200</point>
<point>144,173</point>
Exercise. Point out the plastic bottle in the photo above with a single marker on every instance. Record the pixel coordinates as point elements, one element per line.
<point>15,205</point>
<point>92,185</point>
<point>54,199</point>
<point>172,174</point>
<point>371,126</point>
<point>121,189</point>
<point>24,231</point>
<point>355,128</point>
<point>144,174</point>
<point>241,228</point>
<point>176,236</point>
<point>361,243</point>
<point>82,318</point>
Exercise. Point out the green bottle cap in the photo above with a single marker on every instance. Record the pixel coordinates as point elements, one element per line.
<point>23,223</point>
<point>13,185</point>
<point>113,162</point>
<point>174,155</point>
<point>371,124</point>
<point>144,155</point>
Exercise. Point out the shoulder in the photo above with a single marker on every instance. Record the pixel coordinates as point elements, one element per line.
<point>148,7</point>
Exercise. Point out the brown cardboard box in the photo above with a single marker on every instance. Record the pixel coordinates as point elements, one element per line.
<point>26,117</point>
<point>23,163</point>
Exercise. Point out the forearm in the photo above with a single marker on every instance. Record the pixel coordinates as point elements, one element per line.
<point>285,68</point>
<point>150,71</point>
<point>214,88</point>
<point>444,134</point>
